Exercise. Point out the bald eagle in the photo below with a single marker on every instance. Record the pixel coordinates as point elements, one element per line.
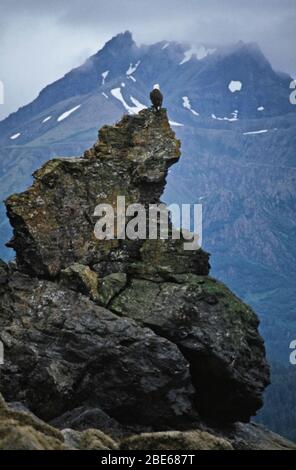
<point>156,97</point>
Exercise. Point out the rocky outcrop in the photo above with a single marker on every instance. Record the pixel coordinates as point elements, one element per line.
<point>240,437</point>
<point>62,351</point>
<point>132,334</point>
<point>87,417</point>
<point>20,430</point>
<point>54,220</point>
<point>216,333</point>
<point>252,436</point>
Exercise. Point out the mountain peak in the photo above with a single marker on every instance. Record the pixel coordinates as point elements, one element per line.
<point>250,49</point>
<point>124,39</point>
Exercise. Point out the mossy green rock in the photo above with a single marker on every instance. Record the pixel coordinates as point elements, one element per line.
<point>110,286</point>
<point>176,440</point>
<point>20,431</point>
<point>54,221</point>
<point>62,350</point>
<point>216,332</point>
<point>91,439</point>
<point>81,278</point>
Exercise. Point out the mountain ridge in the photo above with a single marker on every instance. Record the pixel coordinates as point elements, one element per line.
<point>79,75</point>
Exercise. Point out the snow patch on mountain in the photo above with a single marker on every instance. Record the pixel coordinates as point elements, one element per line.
<point>235,85</point>
<point>116,92</point>
<point>46,119</point>
<point>132,78</point>
<point>105,95</point>
<point>187,105</point>
<point>132,68</point>
<point>203,52</point>
<point>232,119</point>
<point>67,113</point>
<point>174,123</point>
<point>200,53</point>
<point>260,108</point>
<point>15,136</point>
<point>262,131</point>
<point>104,76</point>
<point>187,56</point>
<point>235,114</point>
<point>138,106</point>
<point>165,45</point>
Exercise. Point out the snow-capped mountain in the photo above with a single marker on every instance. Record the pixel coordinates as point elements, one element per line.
<point>208,87</point>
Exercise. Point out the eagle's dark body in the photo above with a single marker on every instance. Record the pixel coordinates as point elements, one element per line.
<point>156,98</point>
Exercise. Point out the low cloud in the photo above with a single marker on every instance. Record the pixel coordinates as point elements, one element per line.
<point>40,41</point>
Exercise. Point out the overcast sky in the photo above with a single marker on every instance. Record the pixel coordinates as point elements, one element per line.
<point>40,40</point>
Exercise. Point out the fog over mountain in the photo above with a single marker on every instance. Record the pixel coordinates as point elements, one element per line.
<point>40,41</point>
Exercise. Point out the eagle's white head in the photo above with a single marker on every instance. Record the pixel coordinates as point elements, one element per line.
<point>156,86</point>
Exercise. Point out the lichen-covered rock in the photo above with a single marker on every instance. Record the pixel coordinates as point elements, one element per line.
<point>20,431</point>
<point>87,417</point>
<point>109,286</point>
<point>92,439</point>
<point>215,331</point>
<point>54,221</point>
<point>62,351</point>
<point>3,273</point>
<point>253,436</point>
<point>134,328</point>
<point>81,278</point>
<point>176,440</point>
<point>161,259</point>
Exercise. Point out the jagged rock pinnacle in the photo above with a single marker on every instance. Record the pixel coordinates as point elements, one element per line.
<point>53,220</point>
<point>135,327</point>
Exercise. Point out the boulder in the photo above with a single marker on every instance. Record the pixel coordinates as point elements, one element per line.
<point>20,431</point>
<point>110,286</point>
<point>80,278</point>
<point>63,351</point>
<point>92,439</point>
<point>253,436</point>
<point>83,418</point>
<point>216,332</point>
